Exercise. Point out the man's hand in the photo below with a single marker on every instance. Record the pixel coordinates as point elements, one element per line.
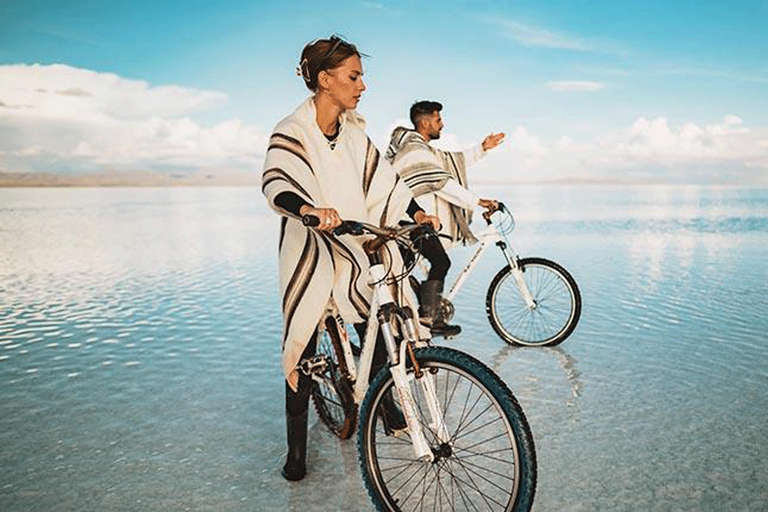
<point>492,141</point>
<point>422,218</point>
<point>488,204</point>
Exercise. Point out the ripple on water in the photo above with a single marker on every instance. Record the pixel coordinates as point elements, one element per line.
<point>174,349</point>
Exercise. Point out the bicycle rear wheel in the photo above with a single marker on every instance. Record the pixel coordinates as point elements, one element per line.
<point>557,304</point>
<point>332,391</point>
<point>489,461</point>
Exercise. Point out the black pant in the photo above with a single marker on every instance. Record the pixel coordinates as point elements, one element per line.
<point>297,402</point>
<point>379,352</point>
<point>434,252</point>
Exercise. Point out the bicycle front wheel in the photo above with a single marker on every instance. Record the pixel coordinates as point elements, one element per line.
<point>332,390</point>
<point>488,462</point>
<point>556,309</point>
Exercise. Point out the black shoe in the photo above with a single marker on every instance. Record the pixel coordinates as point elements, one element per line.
<point>392,415</point>
<point>295,461</point>
<point>431,295</point>
<point>294,473</point>
<point>440,328</point>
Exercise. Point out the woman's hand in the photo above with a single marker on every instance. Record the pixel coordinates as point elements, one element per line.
<point>329,217</point>
<point>421,217</point>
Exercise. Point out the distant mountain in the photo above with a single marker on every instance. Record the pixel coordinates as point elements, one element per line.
<point>216,177</point>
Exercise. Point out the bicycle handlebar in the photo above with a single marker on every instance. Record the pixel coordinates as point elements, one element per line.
<point>353,227</point>
<point>500,207</point>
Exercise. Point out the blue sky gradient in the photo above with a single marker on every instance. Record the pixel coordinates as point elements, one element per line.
<point>670,89</point>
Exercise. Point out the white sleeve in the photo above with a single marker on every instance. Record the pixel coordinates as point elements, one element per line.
<point>458,195</point>
<point>474,154</point>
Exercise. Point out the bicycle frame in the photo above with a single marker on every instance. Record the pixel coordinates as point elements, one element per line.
<point>390,318</point>
<point>488,236</point>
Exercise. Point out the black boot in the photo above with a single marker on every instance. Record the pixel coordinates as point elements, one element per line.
<point>296,461</point>
<point>391,414</point>
<point>296,413</point>
<point>431,295</point>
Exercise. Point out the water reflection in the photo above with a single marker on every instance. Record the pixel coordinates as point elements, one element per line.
<point>565,361</point>
<point>140,352</point>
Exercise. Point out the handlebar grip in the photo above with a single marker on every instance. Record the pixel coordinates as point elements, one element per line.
<point>349,227</point>
<point>426,230</point>
<point>311,220</point>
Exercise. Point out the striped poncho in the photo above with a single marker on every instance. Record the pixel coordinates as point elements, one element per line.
<point>426,170</point>
<point>316,267</point>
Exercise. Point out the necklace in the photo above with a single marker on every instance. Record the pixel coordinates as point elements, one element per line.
<point>332,139</point>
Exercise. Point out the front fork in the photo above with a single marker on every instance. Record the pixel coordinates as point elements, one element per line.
<point>399,355</point>
<point>517,274</point>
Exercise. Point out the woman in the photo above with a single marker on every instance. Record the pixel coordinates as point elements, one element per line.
<point>320,162</point>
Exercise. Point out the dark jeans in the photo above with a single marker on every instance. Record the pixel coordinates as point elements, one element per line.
<point>434,252</point>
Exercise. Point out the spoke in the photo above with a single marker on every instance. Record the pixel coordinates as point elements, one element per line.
<point>464,434</point>
<point>544,320</point>
<point>470,483</point>
<point>448,496</point>
<point>465,415</point>
<point>465,498</point>
<point>464,461</point>
<point>331,400</point>
<point>415,469</point>
<point>498,436</point>
<point>415,487</point>
<point>479,472</point>
<point>477,489</point>
<point>470,454</point>
<point>554,305</point>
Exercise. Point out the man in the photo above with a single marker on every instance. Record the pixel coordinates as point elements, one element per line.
<point>438,180</point>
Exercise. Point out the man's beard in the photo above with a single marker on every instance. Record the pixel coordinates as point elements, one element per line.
<point>434,135</point>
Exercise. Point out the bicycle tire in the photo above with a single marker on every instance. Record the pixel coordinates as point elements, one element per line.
<point>333,396</point>
<point>558,304</point>
<point>489,463</point>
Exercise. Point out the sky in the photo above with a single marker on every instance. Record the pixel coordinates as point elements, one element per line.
<point>662,90</point>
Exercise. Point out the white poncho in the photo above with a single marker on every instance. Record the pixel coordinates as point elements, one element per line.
<point>427,170</point>
<point>314,266</point>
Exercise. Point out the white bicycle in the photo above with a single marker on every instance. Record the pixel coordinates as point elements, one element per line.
<point>531,301</point>
<point>438,429</point>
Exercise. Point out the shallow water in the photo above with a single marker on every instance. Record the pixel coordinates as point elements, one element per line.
<point>139,360</point>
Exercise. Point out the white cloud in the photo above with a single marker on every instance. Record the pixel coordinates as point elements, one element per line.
<point>655,141</point>
<point>528,35</point>
<point>376,6</point>
<point>727,150</point>
<point>57,117</point>
<point>574,86</point>
<point>522,141</point>
<point>62,113</point>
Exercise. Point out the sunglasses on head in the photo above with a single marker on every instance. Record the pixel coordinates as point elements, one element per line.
<point>335,41</point>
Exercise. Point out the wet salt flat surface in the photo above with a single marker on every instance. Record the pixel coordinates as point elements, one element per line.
<point>140,331</point>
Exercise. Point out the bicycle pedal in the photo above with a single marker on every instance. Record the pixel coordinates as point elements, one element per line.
<point>314,365</point>
<point>401,433</point>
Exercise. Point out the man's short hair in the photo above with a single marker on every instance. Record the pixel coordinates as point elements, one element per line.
<point>423,108</point>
